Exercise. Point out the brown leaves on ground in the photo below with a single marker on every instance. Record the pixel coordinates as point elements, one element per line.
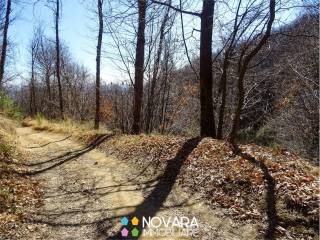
<point>19,195</point>
<point>229,180</point>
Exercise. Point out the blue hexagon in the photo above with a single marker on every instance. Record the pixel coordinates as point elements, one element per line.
<point>124,221</point>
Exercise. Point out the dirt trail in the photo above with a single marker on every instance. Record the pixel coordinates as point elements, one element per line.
<point>86,192</point>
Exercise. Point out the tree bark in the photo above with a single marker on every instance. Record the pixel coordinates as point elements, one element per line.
<point>139,68</point>
<point>98,62</point>
<point>4,42</point>
<point>207,123</point>
<point>57,16</point>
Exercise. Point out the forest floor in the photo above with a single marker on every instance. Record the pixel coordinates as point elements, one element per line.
<point>90,180</point>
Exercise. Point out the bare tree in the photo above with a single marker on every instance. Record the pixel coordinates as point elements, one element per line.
<point>207,122</point>
<point>55,6</point>
<point>4,41</point>
<point>243,65</point>
<point>57,18</point>
<point>98,63</point>
<point>45,61</point>
<point>34,49</point>
<point>230,45</point>
<point>139,67</point>
<point>153,82</point>
<point>2,13</point>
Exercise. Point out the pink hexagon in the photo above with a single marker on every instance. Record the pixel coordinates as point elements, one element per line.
<point>124,232</point>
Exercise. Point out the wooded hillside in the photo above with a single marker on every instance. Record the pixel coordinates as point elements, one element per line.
<point>198,108</point>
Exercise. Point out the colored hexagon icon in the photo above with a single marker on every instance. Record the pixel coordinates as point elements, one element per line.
<point>135,232</point>
<point>124,232</point>
<point>135,221</point>
<point>124,221</point>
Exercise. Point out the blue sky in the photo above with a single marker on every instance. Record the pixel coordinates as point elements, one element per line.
<point>77,31</point>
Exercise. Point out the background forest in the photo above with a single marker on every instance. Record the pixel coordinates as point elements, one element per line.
<point>278,95</point>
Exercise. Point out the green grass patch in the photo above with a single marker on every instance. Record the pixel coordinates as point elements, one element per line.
<point>264,137</point>
<point>9,107</point>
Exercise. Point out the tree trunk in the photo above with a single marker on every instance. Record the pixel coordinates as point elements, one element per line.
<point>33,107</point>
<point>4,42</point>
<point>223,83</point>
<point>163,97</point>
<point>207,123</point>
<point>165,101</point>
<point>150,107</point>
<point>243,69</point>
<point>139,68</point>
<point>47,76</point>
<point>57,13</point>
<point>223,86</point>
<point>98,61</point>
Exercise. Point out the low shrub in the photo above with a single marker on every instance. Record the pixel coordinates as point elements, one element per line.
<point>264,137</point>
<point>9,107</point>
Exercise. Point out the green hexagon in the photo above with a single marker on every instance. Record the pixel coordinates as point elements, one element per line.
<point>135,232</point>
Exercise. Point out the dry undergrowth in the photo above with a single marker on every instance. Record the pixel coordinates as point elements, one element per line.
<point>19,195</point>
<point>80,131</point>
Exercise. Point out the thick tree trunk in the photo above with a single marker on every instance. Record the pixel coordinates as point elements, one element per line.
<point>4,42</point>
<point>57,13</point>
<point>243,69</point>
<point>98,62</point>
<point>139,68</point>
<point>207,123</point>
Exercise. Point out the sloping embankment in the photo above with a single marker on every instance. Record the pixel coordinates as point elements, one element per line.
<point>19,195</point>
<point>255,184</point>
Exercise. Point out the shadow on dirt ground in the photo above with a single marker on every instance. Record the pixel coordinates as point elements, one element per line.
<point>57,161</point>
<point>154,201</point>
<point>271,198</point>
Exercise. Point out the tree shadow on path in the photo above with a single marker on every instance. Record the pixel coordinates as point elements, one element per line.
<point>271,198</point>
<point>155,200</point>
<point>48,143</point>
<point>57,161</point>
